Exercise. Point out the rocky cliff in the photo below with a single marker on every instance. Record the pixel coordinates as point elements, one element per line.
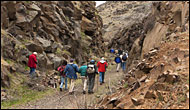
<point>57,30</point>
<point>117,15</point>
<point>152,22</point>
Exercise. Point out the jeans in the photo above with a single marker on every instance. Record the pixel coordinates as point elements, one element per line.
<point>62,82</point>
<point>32,72</point>
<point>91,81</point>
<point>124,66</point>
<point>101,77</point>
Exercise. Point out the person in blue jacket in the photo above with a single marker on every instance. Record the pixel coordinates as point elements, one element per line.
<point>70,72</point>
<point>118,62</point>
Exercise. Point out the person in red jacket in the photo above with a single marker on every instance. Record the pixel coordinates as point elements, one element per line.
<point>102,65</point>
<point>32,63</point>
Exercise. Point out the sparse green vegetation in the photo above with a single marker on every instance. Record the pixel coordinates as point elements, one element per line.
<point>27,68</point>
<point>67,18</point>
<point>25,96</point>
<point>125,85</point>
<point>9,61</point>
<point>67,52</point>
<point>58,51</point>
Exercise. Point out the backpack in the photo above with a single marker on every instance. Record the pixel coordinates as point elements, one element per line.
<point>90,68</point>
<point>61,69</point>
<point>124,57</point>
<point>117,59</point>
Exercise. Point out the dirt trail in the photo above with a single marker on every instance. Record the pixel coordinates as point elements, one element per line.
<point>61,100</point>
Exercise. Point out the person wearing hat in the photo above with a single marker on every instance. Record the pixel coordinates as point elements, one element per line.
<point>70,71</point>
<point>91,74</point>
<point>102,65</point>
<point>32,64</point>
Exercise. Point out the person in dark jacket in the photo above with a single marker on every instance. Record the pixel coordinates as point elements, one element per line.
<point>70,72</point>
<point>32,64</point>
<point>91,74</point>
<point>83,74</point>
<point>118,62</point>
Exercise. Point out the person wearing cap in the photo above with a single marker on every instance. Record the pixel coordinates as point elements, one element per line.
<point>32,64</point>
<point>70,71</point>
<point>102,65</point>
<point>91,75</point>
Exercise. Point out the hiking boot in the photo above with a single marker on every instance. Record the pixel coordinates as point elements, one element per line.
<point>103,82</point>
<point>65,89</point>
<point>100,83</point>
<point>84,92</point>
<point>61,89</point>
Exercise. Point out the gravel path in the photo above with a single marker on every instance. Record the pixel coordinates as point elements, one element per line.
<point>61,100</point>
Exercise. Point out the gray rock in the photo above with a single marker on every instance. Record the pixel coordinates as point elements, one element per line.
<point>45,43</point>
<point>34,47</point>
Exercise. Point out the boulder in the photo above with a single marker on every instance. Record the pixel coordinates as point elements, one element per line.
<point>150,94</point>
<point>34,47</point>
<point>45,43</point>
<point>137,102</point>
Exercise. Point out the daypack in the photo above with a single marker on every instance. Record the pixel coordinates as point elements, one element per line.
<point>124,57</point>
<point>117,59</point>
<point>90,68</point>
<point>61,69</point>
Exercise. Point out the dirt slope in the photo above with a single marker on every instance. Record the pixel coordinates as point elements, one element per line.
<point>160,80</point>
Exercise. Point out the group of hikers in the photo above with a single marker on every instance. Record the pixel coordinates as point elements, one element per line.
<point>68,71</point>
<point>87,71</point>
<point>120,59</point>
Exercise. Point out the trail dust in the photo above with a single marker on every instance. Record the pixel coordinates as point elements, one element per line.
<point>62,100</point>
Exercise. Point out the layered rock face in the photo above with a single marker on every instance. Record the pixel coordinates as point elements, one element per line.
<point>57,30</point>
<point>117,15</point>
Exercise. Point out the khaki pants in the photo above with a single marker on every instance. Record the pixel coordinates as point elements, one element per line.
<point>118,66</point>
<point>84,81</point>
<point>72,84</point>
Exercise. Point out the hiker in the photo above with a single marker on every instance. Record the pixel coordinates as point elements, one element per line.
<point>124,57</point>
<point>112,51</point>
<point>70,72</point>
<point>120,52</point>
<point>62,75</point>
<point>91,74</point>
<point>32,64</point>
<point>118,61</point>
<point>82,71</point>
<point>102,65</point>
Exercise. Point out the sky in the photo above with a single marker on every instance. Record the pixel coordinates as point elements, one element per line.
<point>99,2</point>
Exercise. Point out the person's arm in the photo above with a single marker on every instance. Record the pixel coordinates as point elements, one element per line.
<point>80,69</point>
<point>35,60</point>
<point>65,70</point>
<point>77,69</point>
<point>96,69</point>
